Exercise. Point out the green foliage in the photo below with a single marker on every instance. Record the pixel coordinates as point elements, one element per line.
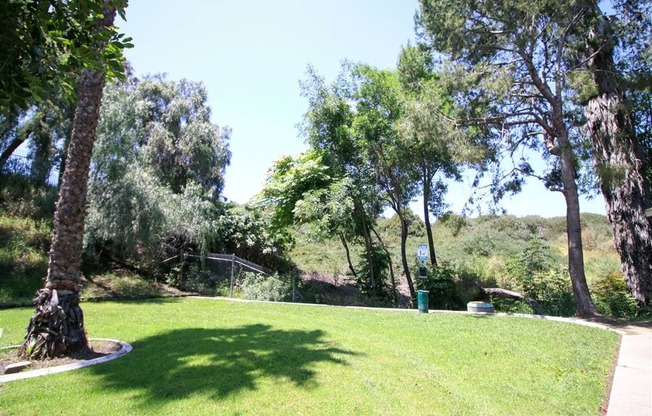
<point>47,42</point>
<point>442,286</point>
<point>392,227</point>
<point>376,285</point>
<point>249,234</point>
<point>164,126</point>
<point>20,197</point>
<point>24,243</point>
<point>140,220</point>
<point>535,273</point>
<point>256,286</point>
<point>612,297</point>
<point>553,291</point>
<point>157,172</point>
<point>523,254</point>
<point>289,182</point>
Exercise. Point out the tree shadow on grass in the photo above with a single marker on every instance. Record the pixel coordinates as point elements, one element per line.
<point>218,362</point>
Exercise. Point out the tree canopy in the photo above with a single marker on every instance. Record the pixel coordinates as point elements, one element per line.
<point>47,42</point>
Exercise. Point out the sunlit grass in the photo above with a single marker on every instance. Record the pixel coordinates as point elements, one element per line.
<point>194,356</point>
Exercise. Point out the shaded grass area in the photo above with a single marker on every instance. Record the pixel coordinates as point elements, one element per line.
<point>196,356</point>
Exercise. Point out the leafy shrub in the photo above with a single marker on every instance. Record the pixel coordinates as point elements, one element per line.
<point>392,226</point>
<point>553,291</point>
<point>19,196</point>
<point>248,233</point>
<point>535,272</point>
<point>443,291</point>
<point>24,243</point>
<point>380,289</point>
<point>259,287</point>
<point>611,296</point>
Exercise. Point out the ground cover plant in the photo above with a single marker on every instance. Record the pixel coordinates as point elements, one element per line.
<point>200,356</point>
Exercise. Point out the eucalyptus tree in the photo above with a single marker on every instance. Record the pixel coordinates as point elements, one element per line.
<point>57,327</point>
<point>516,52</point>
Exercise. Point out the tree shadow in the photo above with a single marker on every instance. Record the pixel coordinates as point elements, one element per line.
<point>217,362</point>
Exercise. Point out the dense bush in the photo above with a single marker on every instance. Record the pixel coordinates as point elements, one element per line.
<point>259,287</point>
<point>24,243</point>
<point>380,289</point>
<point>443,289</point>
<point>611,296</point>
<point>21,197</point>
<point>248,233</point>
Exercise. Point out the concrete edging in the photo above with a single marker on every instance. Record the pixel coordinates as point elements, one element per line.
<point>124,350</point>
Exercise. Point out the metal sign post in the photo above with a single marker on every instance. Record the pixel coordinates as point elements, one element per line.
<point>422,252</point>
<point>422,295</point>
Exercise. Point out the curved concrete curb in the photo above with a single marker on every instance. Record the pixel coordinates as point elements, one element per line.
<point>126,348</point>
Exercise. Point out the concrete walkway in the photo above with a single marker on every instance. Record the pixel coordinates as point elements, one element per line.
<point>631,391</point>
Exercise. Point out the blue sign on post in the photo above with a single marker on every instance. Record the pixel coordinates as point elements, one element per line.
<point>422,252</point>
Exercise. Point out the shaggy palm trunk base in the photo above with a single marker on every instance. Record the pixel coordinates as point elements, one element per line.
<point>56,328</point>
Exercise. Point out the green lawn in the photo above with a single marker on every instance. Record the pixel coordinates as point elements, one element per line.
<point>196,356</point>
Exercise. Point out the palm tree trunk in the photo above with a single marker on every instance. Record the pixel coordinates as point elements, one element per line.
<point>57,327</point>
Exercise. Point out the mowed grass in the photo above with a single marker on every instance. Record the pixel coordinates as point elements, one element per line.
<point>203,356</point>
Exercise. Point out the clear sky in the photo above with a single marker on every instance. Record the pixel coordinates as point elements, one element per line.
<point>251,55</point>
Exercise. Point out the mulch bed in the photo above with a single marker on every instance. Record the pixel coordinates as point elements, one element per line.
<point>100,348</point>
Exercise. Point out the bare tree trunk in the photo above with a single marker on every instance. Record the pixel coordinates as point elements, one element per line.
<point>427,183</point>
<point>406,266</point>
<point>585,306</point>
<point>366,235</point>
<point>57,327</point>
<point>619,160</point>
<point>9,150</point>
<point>348,254</point>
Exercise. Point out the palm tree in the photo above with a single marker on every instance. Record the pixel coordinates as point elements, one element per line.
<point>57,327</point>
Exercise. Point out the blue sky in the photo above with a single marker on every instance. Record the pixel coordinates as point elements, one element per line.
<point>251,55</point>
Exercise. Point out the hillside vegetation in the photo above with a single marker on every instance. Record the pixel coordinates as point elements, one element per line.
<point>521,254</point>
<point>524,254</point>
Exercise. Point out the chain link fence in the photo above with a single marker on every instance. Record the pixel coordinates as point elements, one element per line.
<point>228,275</point>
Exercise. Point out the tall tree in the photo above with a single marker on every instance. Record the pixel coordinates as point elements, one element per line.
<point>379,108</point>
<point>57,327</point>
<point>157,158</point>
<point>44,45</point>
<point>525,42</point>
<point>328,128</point>
<point>440,146</point>
<point>618,154</point>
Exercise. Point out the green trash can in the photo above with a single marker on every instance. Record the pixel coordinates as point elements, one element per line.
<point>422,301</point>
